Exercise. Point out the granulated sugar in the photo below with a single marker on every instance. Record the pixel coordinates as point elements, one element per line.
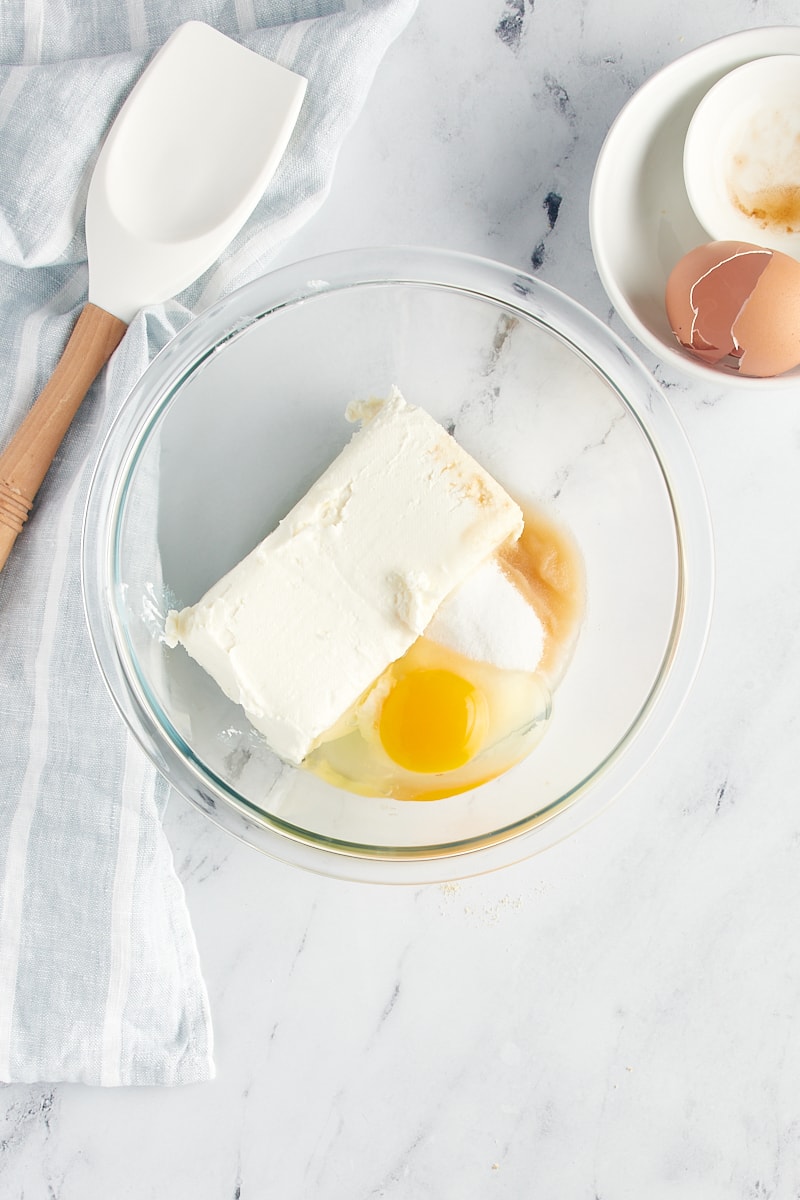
<point>487,619</point>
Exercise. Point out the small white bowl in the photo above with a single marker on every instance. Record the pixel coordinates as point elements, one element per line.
<point>640,217</point>
<point>741,161</point>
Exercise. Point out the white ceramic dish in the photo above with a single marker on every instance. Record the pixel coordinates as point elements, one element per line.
<point>640,217</point>
<point>741,162</point>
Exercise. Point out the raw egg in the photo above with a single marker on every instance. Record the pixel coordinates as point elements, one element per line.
<point>737,305</point>
<point>473,695</point>
<point>434,724</point>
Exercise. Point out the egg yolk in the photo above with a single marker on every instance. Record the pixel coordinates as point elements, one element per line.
<point>432,721</point>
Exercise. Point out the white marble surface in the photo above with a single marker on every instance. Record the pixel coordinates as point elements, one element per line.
<point>618,1017</point>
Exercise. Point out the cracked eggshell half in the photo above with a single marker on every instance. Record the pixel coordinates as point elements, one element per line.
<point>737,305</point>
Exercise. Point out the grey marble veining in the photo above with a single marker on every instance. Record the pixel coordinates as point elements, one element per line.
<point>619,1017</point>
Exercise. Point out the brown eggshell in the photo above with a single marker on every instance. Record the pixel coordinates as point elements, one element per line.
<point>739,300</point>
<point>768,329</point>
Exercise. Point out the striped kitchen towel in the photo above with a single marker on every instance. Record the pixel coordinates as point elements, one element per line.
<point>99,974</point>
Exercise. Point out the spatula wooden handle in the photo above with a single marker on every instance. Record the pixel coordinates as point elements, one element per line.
<point>25,460</point>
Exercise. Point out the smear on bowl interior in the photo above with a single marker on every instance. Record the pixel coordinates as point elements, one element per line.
<point>402,630</point>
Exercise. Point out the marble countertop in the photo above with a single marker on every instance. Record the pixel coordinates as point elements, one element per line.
<point>617,1017</point>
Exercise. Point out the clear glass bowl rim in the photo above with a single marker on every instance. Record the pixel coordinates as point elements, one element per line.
<point>593,342</point>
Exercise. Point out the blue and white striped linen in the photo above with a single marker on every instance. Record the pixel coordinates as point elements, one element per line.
<point>99,973</point>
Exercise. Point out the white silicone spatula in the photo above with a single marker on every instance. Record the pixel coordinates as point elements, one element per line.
<point>182,168</point>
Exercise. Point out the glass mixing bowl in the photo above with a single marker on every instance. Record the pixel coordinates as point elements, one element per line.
<point>243,410</point>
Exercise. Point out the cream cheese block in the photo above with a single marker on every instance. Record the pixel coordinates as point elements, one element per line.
<point>351,576</point>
